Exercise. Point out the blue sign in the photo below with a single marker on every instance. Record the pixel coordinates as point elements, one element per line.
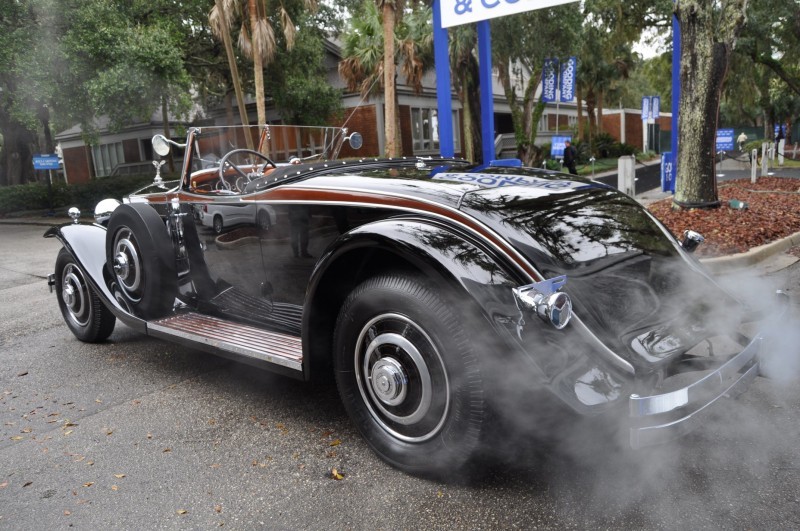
<point>549,79</point>
<point>781,129</point>
<point>724,140</point>
<point>667,173</point>
<point>645,107</point>
<point>557,145</point>
<point>46,162</point>
<point>655,107</point>
<point>569,71</point>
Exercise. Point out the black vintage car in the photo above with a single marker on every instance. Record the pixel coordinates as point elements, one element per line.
<point>438,293</point>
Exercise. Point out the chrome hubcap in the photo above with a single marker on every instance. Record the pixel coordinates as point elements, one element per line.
<point>389,382</point>
<point>127,264</point>
<point>75,295</point>
<point>401,378</point>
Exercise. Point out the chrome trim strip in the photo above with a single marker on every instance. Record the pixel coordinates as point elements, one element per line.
<point>657,434</point>
<point>642,406</point>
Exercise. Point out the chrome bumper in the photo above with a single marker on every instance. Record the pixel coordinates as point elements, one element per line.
<point>660,418</point>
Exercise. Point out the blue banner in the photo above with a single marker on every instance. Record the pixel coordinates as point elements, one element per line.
<point>645,107</point>
<point>667,173</point>
<point>655,107</point>
<point>549,80</point>
<point>569,73</point>
<point>724,139</point>
<point>557,146</point>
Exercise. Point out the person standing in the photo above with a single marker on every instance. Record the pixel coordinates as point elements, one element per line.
<point>741,140</point>
<point>570,157</point>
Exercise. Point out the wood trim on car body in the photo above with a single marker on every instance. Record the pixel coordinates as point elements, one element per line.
<point>355,197</point>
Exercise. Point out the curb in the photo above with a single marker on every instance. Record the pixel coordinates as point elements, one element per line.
<point>754,256</point>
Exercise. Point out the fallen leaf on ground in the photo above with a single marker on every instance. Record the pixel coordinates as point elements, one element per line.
<point>67,432</point>
<point>3,484</point>
<point>335,442</point>
<point>218,508</point>
<point>182,511</point>
<point>167,450</point>
<point>17,438</point>
<point>88,484</point>
<point>67,513</point>
<point>335,474</point>
<point>114,487</point>
<point>27,484</point>
<point>23,373</point>
<point>119,476</point>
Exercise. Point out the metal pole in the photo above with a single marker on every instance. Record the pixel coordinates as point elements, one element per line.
<point>487,91</point>
<point>443,94</point>
<point>676,91</point>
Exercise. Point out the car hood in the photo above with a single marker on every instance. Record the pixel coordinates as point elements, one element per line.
<point>629,280</point>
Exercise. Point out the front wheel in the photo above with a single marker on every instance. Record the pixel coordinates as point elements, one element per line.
<point>408,375</point>
<point>85,314</point>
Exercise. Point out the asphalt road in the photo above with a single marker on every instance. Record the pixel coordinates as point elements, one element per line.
<point>136,433</point>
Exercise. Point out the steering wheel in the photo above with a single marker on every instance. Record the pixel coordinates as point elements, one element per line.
<point>224,161</point>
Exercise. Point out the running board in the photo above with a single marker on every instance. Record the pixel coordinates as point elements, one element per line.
<point>225,337</point>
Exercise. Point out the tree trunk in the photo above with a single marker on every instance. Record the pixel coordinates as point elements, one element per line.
<point>707,43</point>
<point>237,85</point>
<point>599,113</point>
<point>578,98</point>
<point>390,103</point>
<point>16,157</point>
<point>258,65</point>
<point>590,103</point>
<point>165,128</point>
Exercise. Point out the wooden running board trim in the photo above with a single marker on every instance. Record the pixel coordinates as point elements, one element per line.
<point>243,340</point>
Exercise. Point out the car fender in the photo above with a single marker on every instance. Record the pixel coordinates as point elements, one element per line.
<point>479,283</point>
<point>86,243</point>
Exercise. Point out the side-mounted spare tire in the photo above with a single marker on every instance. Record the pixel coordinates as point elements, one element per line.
<point>85,314</point>
<point>141,259</point>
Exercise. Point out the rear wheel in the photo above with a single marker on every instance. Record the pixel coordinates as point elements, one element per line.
<point>85,314</point>
<point>218,226</point>
<point>408,375</point>
<point>140,253</point>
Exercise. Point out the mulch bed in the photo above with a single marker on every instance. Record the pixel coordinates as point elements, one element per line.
<point>772,213</point>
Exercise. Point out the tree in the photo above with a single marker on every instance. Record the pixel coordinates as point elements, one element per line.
<point>25,58</point>
<point>258,20</point>
<point>520,44</point>
<point>709,31</point>
<point>364,59</point>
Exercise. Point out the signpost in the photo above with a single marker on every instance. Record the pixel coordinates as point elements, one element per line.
<point>724,140</point>
<point>48,163</point>
<point>557,146</point>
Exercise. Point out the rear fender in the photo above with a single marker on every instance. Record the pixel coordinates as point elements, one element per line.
<point>87,244</point>
<point>477,282</point>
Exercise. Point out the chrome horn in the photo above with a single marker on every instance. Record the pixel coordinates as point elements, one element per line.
<point>545,299</point>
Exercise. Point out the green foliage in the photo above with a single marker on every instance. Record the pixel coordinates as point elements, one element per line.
<point>37,196</point>
<point>296,80</point>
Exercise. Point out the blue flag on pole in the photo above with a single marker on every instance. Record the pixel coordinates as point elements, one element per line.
<point>569,73</point>
<point>549,80</point>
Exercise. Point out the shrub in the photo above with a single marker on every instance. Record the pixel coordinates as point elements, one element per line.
<point>36,196</point>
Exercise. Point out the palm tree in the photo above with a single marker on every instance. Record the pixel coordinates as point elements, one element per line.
<point>464,65</point>
<point>365,59</point>
<point>257,34</point>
